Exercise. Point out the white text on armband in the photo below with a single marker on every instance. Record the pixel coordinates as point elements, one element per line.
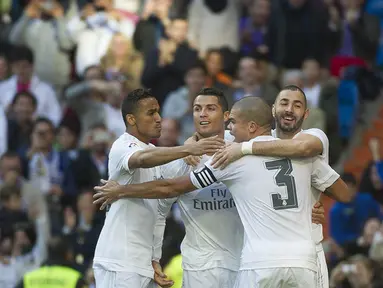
<point>204,177</point>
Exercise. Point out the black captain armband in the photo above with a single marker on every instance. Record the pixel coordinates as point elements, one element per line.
<point>204,176</point>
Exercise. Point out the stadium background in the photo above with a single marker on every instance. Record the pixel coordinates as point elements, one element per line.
<point>65,66</point>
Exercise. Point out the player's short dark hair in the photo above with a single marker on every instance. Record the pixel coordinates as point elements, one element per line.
<point>349,178</point>
<point>21,53</point>
<point>26,94</point>
<point>217,93</point>
<point>131,102</point>
<point>295,88</point>
<point>255,109</point>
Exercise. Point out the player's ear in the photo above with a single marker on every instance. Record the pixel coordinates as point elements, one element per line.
<point>130,119</point>
<point>253,127</point>
<point>273,110</point>
<point>307,113</point>
<point>226,116</point>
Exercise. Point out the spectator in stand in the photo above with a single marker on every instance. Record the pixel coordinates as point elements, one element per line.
<point>152,25</point>
<point>4,68</point>
<point>91,163</point>
<point>371,182</point>
<point>216,77</point>
<point>43,29</point>
<point>253,29</point>
<point>179,104</point>
<point>28,239</point>
<point>297,30</point>
<point>82,229</point>
<point>93,31</point>
<point>68,136</point>
<point>356,272</point>
<point>87,98</point>
<point>20,120</point>
<point>122,59</point>
<point>24,79</point>
<point>3,131</point>
<point>166,66</point>
<point>357,33</point>
<point>11,175</point>
<point>214,24</point>
<point>170,130</point>
<point>347,220</point>
<point>252,74</point>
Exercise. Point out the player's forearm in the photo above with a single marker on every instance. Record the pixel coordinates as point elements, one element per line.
<point>283,148</point>
<point>159,189</point>
<point>339,191</point>
<point>149,158</point>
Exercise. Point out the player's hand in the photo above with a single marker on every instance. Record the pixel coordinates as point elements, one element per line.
<point>192,160</point>
<point>317,216</point>
<point>107,193</point>
<point>229,154</point>
<point>206,146</point>
<point>160,277</point>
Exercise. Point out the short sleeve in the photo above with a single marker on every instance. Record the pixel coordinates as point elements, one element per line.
<point>323,176</point>
<point>124,153</point>
<point>175,169</point>
<point>228,137</point>
<point>207,175</point>
<point>323,138</point>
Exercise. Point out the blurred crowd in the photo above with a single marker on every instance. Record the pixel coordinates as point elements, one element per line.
<point>66,65</point>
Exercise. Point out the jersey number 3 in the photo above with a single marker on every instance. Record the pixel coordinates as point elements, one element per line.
<point>283,179</point>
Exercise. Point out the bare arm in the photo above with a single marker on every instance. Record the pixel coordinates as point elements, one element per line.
<point>304,145</point>
<point>152,157</point>
<point>167,188</point>
<point>339,191</point>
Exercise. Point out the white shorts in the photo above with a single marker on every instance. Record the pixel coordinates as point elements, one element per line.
<point>323,281</point>
<point>113,279</point>
<point>276,277</point>
<point>211,278</point>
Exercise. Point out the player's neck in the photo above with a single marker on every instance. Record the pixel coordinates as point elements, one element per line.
<point>220,134</point>
<point>285,135</point>
<point>139,136</point>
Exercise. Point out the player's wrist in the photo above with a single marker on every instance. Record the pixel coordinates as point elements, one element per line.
<point>247,148</point>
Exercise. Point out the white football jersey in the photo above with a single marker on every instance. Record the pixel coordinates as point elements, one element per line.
<point>214,232</point>
<point>126,240</point>
<point>317,228</point>
<point>273,198</point>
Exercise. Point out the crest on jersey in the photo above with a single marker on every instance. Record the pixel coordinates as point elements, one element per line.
<point>132,145</point>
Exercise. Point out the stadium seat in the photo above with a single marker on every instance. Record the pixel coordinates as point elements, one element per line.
<point>348,99</point>
<point>375,7</point>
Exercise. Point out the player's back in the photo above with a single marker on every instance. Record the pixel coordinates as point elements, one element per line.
<point>125,242</point>
<point>273,198</point>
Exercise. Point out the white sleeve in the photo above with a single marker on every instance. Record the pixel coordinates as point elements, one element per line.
<point>323,176</point>
<point>207,175</point>
<point>323,138</point>
<point>174,169</point>
<point>228,137</point>
<point>126,153</point>
<point>164,207</point>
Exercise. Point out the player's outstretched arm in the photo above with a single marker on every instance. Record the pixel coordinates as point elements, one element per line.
<point>304,145</point>
<point>166,188</point>
<point>152,157</point>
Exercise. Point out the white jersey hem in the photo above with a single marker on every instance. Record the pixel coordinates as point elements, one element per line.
<point>121,266</point>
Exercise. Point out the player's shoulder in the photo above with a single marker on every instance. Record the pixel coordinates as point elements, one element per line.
<point>316,132</point>
<point>123,144</point>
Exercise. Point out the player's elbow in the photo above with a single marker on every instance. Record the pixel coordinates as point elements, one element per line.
<point>306,149</point>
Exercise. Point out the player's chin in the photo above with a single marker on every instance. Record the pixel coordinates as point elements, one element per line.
<point>156,133</point>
